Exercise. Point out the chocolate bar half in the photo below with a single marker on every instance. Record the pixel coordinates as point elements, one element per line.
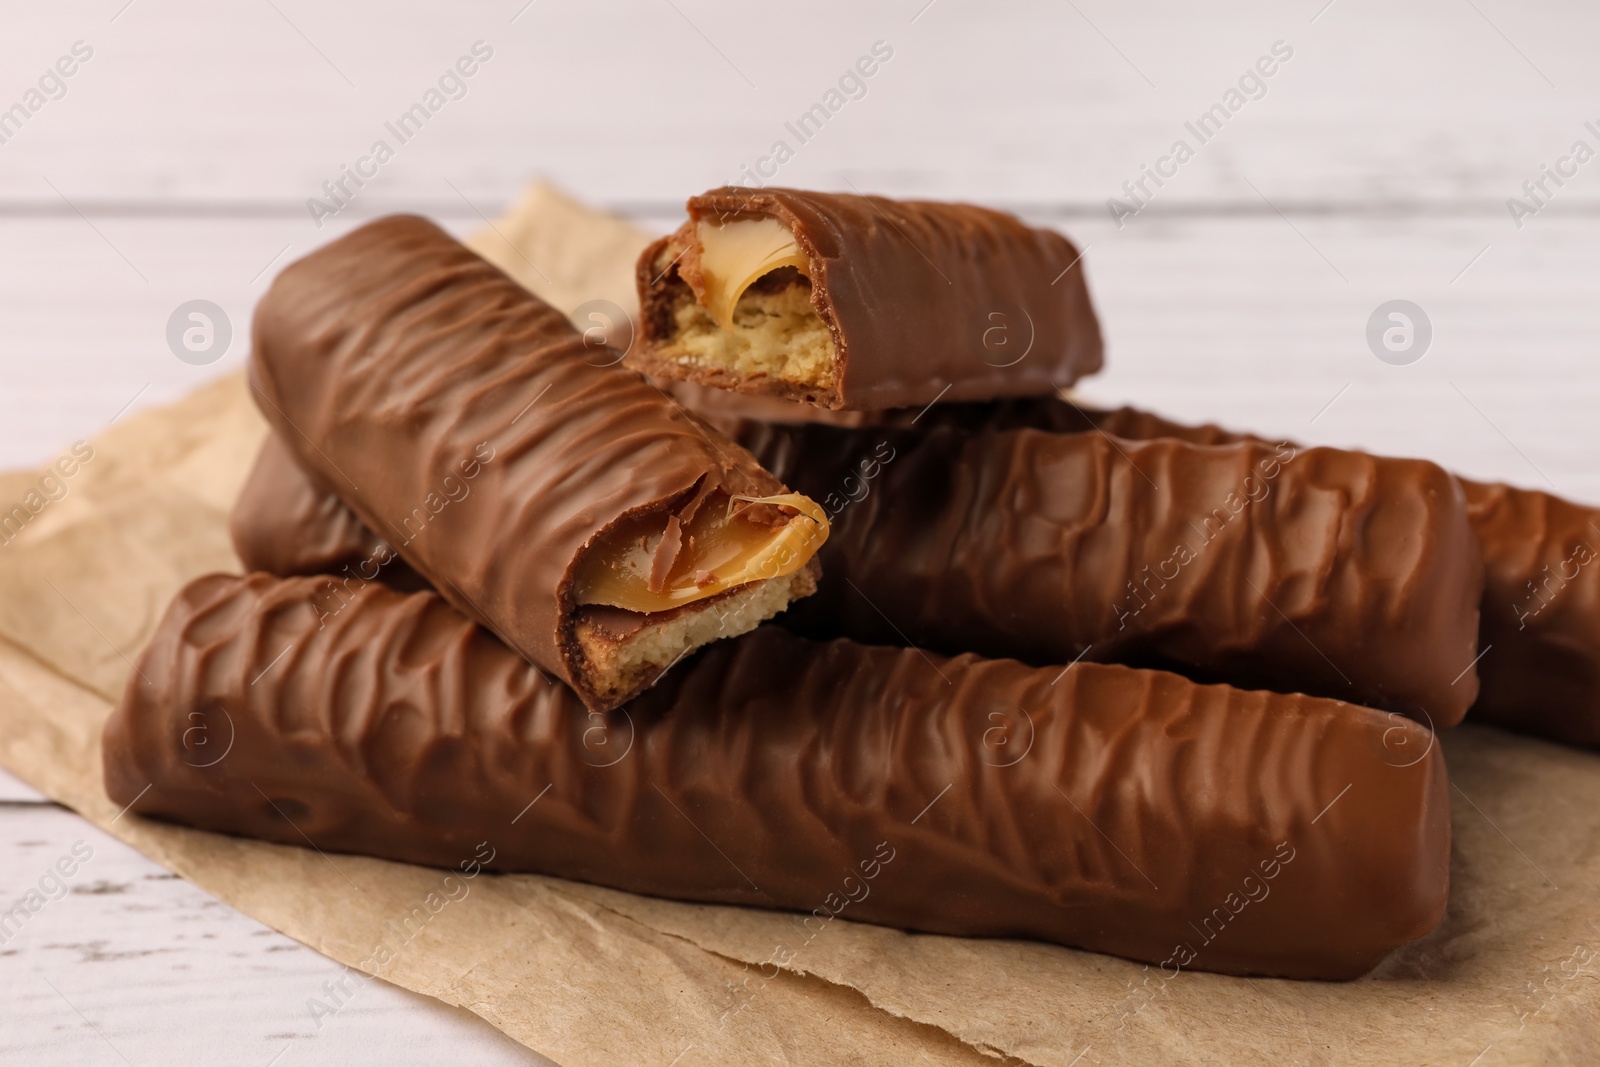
<point>862,302</point>
<point>1130,812</point>
<point>554,496</point>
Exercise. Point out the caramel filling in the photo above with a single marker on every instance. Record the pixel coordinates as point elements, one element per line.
<point>714,543</point>
<point>734,255</point>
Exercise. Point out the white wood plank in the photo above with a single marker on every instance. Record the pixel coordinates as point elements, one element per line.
<point>1244,322</point>
<point>130,964</point>
<point>13,791</point>
<point>1434,101</point>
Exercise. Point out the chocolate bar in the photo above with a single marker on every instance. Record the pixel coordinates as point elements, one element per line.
<point>1316,570</point>
<point>556,497</point>
<point>285,523</point>
<point>1541,613</point>
<point>1539,629</point>
<point>861,302</point>
<point>1274,567</point>
<point>1130,812</point>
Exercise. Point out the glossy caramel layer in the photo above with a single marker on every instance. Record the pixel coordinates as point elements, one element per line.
<point>914,300</point>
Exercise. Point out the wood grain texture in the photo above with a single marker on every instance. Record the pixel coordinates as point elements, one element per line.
<point>1437,101</point>
<point>134,965</point>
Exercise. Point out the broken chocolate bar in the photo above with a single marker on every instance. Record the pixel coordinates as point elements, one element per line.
<point>1131,812</point>
<point>559,499</point>
<point>863,302</point>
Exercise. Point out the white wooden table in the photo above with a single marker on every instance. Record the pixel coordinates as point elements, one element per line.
<point>1375,165</point>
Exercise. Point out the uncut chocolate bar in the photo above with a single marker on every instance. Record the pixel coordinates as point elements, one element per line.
<point>552,495</point>
<point>1130,812</point>
<point>1270,566</point>
<point>1541,613</point>
<point>1273,567</point>
<point>862,302</point>
<point>1539,630</point>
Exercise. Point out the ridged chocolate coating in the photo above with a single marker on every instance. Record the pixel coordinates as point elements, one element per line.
<point>1541,613</point>
<point>1353,577</point>
<point>922,299</point>
<point>1539,626</point>
<point>1130,812</point>
<point>1347,575</point>
<point>467,422</point>
<point>1539,617</point>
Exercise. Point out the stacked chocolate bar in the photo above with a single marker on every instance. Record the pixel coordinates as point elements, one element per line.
<point>1033,671</point>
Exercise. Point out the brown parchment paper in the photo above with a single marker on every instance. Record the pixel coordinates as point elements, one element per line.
<point>586,975</point>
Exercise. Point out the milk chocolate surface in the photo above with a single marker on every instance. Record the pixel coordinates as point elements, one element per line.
<point>285,523</point>
<point>1270,566</point>
<point>1541,613</point>
<point>1276,567</point>
<point>920,300</point>
<point>471,426</point>
<point>1539,628</point>
<point>1131,812</point>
